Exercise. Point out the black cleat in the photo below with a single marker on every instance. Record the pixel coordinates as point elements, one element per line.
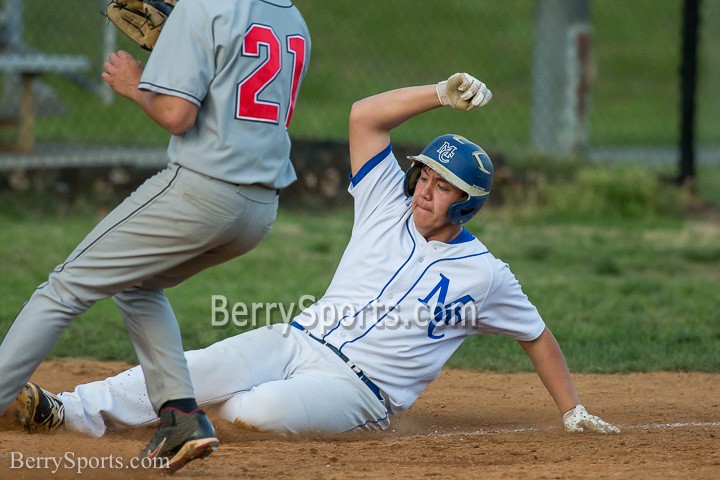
<point>39,410</point>
<point>181,438</point>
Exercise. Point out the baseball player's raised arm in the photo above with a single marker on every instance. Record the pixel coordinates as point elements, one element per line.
<point>372,118</point>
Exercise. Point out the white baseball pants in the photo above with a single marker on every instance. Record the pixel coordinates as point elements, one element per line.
<point>271,379</point>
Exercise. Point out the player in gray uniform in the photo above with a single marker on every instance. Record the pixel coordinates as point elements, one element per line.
<point>223,79</point>
<point>411,286</point>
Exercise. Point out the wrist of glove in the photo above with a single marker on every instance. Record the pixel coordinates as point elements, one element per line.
<point>577,419</point>
<point>462,91</point>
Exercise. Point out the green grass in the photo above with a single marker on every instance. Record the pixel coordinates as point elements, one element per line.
<point>623,277</point>
<point>708,178</point>
<point>619,295</point>
<point>261,276</point>
<point>623,289</point>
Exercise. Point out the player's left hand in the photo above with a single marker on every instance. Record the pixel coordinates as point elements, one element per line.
<point>463,92</point>
<point>578,419</point>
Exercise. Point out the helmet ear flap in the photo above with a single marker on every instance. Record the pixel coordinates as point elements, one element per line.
<point>464,210</point>
<point>411,178</point>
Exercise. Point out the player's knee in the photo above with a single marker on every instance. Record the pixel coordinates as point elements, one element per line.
<point>63,295</point>
<point>264,412</point>
<point>267,413</point>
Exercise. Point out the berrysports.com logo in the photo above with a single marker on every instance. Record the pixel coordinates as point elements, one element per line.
<point>71,462</point>
<point>433,313</point>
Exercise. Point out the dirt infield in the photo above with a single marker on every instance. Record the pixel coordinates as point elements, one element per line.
<point>465,425</point>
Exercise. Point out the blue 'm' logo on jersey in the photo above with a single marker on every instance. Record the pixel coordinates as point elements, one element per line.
<point>444,313</point>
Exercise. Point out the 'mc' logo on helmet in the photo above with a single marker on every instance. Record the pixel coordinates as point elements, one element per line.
<point>446,152</point>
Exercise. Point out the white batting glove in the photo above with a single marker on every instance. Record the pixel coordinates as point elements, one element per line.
<point>463,92</point>
<point>578,419</point>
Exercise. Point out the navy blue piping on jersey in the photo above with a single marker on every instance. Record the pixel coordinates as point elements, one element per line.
<point>369,165</point>
<point>407,227</point>
<point>166,89</point>
<point>465,236</point>
<point>408,293</point>
<point>277,5</point>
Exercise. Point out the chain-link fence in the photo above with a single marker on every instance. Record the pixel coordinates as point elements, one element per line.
<point>360,48</point>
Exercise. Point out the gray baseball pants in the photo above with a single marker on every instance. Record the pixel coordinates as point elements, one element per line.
<point>176,224</point>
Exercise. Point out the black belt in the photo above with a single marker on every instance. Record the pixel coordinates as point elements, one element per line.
<point>374,388</point>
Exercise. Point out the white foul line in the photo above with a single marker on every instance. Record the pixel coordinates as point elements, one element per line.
<point>675,425</point>
<point>500,431</point>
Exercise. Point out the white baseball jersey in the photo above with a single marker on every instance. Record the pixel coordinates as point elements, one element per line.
<point>398,305</point>
<point>246,90</point>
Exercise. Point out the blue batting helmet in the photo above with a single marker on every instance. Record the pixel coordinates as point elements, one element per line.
<point>461,163</point>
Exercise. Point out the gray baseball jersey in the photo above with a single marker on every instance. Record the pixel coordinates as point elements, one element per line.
<point>246,91</point>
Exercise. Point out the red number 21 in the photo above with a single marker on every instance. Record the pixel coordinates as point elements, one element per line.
<point>249,106</point>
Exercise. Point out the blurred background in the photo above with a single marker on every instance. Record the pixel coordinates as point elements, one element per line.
<point>599,79</point>
<point>616,243</point>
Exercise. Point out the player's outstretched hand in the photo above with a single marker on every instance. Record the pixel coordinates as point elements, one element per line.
<point>579,420</point>
<point>463,92</point>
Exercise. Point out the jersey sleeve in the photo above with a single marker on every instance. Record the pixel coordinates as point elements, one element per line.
<point>377,185</point>
<point>182,63</point>
<point>506,309</point>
